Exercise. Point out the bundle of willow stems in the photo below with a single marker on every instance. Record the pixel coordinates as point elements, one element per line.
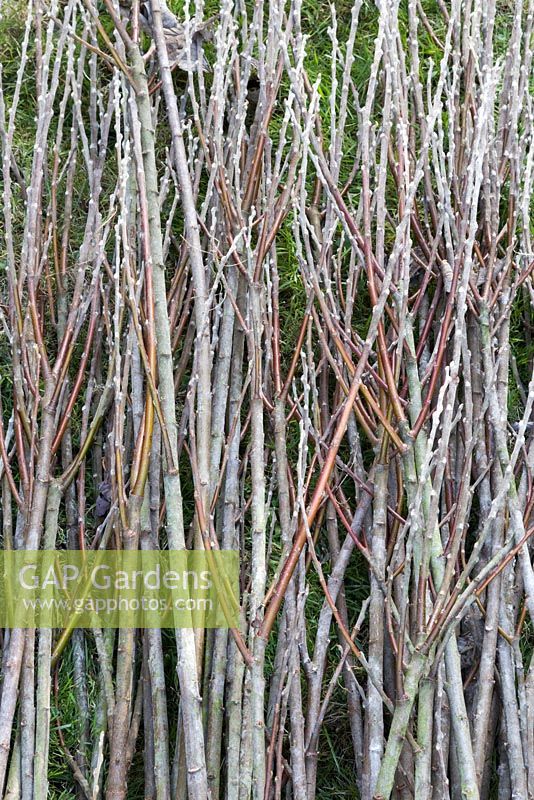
<point>264,309</point>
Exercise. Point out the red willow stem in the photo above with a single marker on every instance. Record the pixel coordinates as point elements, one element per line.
<point>316,502</point>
